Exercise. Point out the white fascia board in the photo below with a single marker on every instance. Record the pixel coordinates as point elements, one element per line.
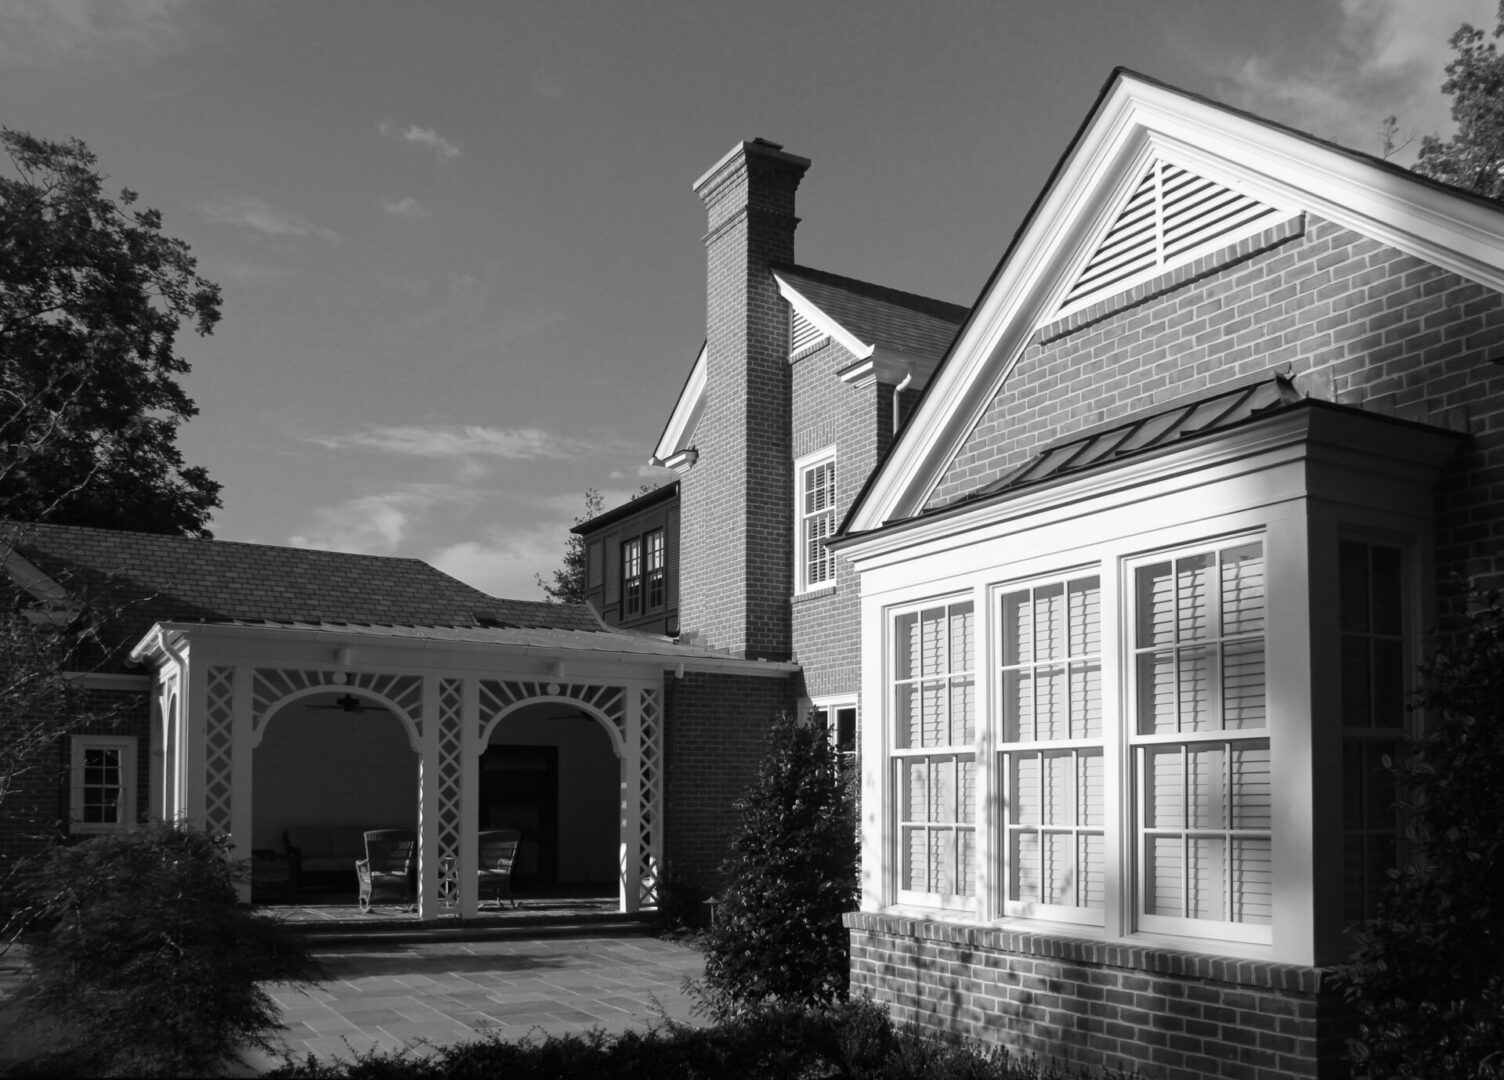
<point>1136,122</point>
<point>811,311</point>
<point>686,415</point>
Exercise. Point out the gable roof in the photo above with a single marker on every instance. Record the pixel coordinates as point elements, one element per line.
<point>152,578</point>
<point>874,316</point>
<point>1135,123</point>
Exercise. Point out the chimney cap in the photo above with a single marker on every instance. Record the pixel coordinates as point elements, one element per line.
<point>766,149</point>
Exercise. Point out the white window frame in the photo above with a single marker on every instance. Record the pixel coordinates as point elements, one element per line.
<point>804,580</point>
<point>828,708</point>
<point>126,798</point>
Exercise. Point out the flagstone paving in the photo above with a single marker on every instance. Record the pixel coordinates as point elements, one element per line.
<point>385,996</point>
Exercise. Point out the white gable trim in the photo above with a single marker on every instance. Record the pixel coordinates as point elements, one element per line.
<point>1135,122</point>
<point>806,307</point>
<point>674,444</point>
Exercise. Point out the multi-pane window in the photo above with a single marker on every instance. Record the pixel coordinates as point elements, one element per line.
<point>103,775</point>
<point>631,577</point>
<point>653,553</point>
<point>815,564</point>
<point>1200,741</point>
<point>934,758</point>
<point>1371,602</point>
<point>1053,812</point>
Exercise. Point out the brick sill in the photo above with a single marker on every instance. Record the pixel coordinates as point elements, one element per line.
<point>813,594</point>
<point>1154,960</point>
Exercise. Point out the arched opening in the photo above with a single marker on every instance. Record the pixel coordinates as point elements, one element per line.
<point>328,767</point>
<point>550,770</point>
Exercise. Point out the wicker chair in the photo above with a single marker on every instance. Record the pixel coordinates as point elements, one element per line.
<point>386,871</point>
<point>497,851</point>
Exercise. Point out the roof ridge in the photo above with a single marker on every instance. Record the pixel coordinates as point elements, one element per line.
<point>899,297</point>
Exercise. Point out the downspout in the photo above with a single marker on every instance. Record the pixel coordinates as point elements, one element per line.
<point>900,388</point>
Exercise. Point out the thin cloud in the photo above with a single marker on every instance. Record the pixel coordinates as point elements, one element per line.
<point>427,138</point>
<point>39,33</point>
<point>406,207</point>
<point>462,441</point>
<point>379,523</point>
<point>1388,59</point>
<point>258,215</point>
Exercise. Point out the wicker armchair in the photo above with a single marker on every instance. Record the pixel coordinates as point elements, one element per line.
<point>386,873</point>
<point>497,851</point>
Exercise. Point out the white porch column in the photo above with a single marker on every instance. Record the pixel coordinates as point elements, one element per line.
<point>193,730</point>
<point>629,878</point>
<point>470,751</point>
<point>156,769</point>
<point>241,808</point>
<point>428,803</point>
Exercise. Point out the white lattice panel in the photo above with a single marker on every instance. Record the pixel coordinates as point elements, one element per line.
<point>271,685</point>
<point>451,700</point>
<point>219,749</point>
<point>496,697</point>
<point>649,796</point>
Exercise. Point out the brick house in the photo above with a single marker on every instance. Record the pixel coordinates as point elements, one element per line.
<point>1130,604</point>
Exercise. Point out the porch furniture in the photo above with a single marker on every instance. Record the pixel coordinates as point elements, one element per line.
<point>386,873</point>
<point>273,877</point>
<point>323,849</point>
<point>497,851</point>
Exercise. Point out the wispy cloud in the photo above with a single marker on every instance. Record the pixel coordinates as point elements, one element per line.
<point>427,138</point>
<point>1387,59</point>
<point>249,212</point>
<point>461,441</point>
<point>37,33</point>
<point>378,523</point>
<point>406,207</point>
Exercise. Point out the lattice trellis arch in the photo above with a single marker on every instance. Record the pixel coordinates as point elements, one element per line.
<point>498,697</point>
<point>649,796</point>
<point>219,749</point>
<point>271,688</point>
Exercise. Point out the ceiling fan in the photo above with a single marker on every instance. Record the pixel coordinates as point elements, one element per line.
<point>349,703</point>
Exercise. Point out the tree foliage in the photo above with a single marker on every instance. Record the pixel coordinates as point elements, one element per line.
<point>1427,980</point>
<point>777,935</point>
<point>570,579</point>
<point>1473,158</point>
<point>148,963</point>
<point>91,298</point>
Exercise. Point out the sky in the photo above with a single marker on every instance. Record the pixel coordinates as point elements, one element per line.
<point>462,262</point>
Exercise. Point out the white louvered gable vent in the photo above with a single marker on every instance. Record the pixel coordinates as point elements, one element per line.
<point>803,334</point>
<point>1173,217</point>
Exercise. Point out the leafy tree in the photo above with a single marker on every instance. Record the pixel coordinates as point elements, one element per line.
<point>1427,980</point>
<point>1473,158</point>
<point>777,935</point>
<point>569,583</point>
<point>91,298</point>
<point>148,966</point>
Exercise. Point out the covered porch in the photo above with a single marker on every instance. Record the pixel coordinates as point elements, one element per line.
<point>265,731</point>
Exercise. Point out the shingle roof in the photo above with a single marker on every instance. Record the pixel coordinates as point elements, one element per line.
<point>159,578</point>
<point>877,315</point>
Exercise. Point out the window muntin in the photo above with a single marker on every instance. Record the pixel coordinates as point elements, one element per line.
<point>1200,749</point>
<point>631,577</point>
<point>1372,679</point>
<point>1052,768</point>
<point>815,564</point>
<point>103,777</point>
<point>654,557</point>
<point>934,758</point>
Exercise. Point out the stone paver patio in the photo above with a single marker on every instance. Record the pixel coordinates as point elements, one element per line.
<point>385,996</point>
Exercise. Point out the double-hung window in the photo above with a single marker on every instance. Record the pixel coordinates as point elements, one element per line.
<point>1051,765</point>
<point>653,554</point>
<point>1200,744</point>
<point>934,753</point>
<point>814,564</point>
<point>631,577</point>
<point>103,779</point>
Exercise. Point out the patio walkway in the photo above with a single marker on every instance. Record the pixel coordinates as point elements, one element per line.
<point>446,992</point>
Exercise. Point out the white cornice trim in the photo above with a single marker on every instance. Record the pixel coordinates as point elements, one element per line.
<point>815,314</point>
<point>1136,121</point>
<point>685,417</point>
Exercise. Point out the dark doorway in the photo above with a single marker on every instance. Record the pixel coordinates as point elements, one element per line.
<point>519,789</point>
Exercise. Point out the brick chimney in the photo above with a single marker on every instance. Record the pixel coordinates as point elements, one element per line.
<point>736,552</point>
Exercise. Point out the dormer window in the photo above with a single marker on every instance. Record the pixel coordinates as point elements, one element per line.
<point>631,577</point>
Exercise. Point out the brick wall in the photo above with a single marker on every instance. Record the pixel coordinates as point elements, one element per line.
<point>1170,1015</point>
<point>737,500</point>
<point>715,736</point>
<point>1384,330</point>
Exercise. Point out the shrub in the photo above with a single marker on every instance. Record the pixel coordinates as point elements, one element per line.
<point>1426,982</point>
<point>777,934</point>
<point>144,957</point>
